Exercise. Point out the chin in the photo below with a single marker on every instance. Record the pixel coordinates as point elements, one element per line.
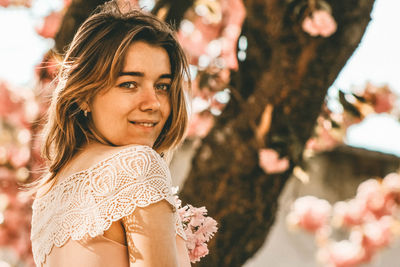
<point>142,142</point>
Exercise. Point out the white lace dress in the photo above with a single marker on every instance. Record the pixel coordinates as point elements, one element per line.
<point>69,221</point>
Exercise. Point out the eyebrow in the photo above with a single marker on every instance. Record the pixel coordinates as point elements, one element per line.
<point>141,74</point>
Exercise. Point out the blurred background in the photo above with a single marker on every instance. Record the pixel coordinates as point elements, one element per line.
<point>289,101</point>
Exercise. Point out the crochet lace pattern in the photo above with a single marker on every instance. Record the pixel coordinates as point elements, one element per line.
<point>89,201</point>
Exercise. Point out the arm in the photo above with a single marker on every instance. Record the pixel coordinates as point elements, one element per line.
<point>183,254</point>
<point>150,234</point>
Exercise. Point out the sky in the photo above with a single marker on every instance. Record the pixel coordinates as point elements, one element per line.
<point>377,59</point>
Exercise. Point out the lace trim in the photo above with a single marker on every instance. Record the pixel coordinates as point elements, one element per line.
<point>88,202</point>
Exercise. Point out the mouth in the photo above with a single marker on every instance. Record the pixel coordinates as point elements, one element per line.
<point>147,124</point>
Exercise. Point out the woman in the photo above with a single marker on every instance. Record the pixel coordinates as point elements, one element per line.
<point>107,200</point>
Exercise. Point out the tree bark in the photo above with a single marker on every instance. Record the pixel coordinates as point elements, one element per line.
<point>290,70</point>
<point>285,68</point>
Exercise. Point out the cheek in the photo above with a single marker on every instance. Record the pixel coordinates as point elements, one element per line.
<point>166,108</point>
<point>106,114</point>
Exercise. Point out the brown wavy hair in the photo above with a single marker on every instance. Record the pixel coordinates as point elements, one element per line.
<point>91,64</point>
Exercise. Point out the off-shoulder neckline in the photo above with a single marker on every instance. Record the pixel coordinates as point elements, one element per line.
<point>94,166</point>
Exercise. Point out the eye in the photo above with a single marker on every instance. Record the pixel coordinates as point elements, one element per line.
<point>129,85</point>
<point>163,87</point>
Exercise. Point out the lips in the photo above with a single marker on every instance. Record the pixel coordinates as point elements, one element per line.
<point>144,123</point>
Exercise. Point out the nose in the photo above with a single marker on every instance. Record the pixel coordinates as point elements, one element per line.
<point>149,99</point>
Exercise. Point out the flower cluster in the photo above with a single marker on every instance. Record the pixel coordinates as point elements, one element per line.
<point>199,229</point>
<point>270,161</point>
<point>17,110</point>
<point>320,22</point>
<point>371,220</point>
<point>6,3</point>
<point>331,128</point>
<point>210,31</point>
<point>211,93</point>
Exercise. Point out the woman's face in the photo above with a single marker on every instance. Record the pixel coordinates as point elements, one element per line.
<point>135,110</point>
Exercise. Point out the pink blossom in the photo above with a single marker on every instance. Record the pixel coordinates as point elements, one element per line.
<point>381,98</point>
<point>345,253</point>
<point>310,213</point>
<point>208,228</point>
<point>384,102</point>
<point>201,32</point>
<point>67,3</point>
<point>190,240</point>
<point>4,236</point>
<point>50,25</point>
<point>377,234</point>
<point>371,192</point>
<point>5,3</point>
<point>200,124</point>
<point>198,252</point>
<point>326,139</point>
<point>8,102</point>
<point>6,174</point>
<point>198,228</point>
<point>197,216</point>
<point>270,162</point>
<point>13,220</point>
<point>349,213</point>
<point>371,217</point>
<point>21,246</point>
<point>200,237</point>
<point>184,215</point>
<point>391,183</point>
<point>320,22</point>
<point>19,156</point>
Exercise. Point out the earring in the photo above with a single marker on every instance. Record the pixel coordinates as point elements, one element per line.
<point>85,113</point>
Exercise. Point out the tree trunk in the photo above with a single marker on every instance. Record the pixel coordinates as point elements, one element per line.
<point>285,68</point>
<point>290,70</point>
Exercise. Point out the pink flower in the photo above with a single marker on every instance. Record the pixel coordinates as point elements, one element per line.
<point>320,22</point>
<point>349,213</point>
<point>190,240</point>
<point>377,234</point>
<point>372,193</point>
<point>210,225</point>
<point>309,213</point>
<point>384,102</point>
<point>270,162</point>
<point>391,183</point>
<point>200,124</point>
<point>6,174</point>
<point>345,253</point>
<point>4,3</point>
<point>208,228</point>
<point>197,216</point>
<point>198,228</point>
<point>195,35</point>
<point>9,103</point>
<point>198,252</point>
<point>19,157</point>
<point>50,25</point>
<point>67,3</point>
<point>381,98</point>
<point>4,236</point>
